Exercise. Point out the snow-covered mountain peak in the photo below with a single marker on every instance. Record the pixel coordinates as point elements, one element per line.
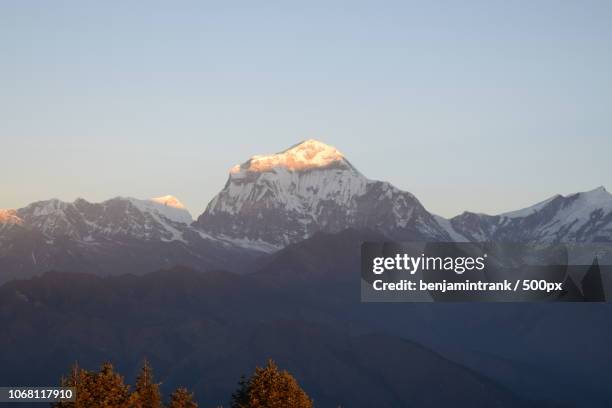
<point>578,217</point>
<point>47,207</point>
<point>169,201</point>
<point>307,155</point>
<point>524,212</point>
<point>119,217</point>
<point>9,216</point>
<point>167,206</point>
<point>310,187</point>
<point>597,197</point>
<point>587,200</point>
<point>299,179</point>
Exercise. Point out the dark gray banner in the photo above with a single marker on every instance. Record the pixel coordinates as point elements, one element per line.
<point>37,394</point>
<point>485,272</point>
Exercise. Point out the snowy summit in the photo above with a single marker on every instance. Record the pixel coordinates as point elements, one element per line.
<point>9,217</point>
<point>307,155</point>
<point>169,201</point>
<point>286,197</point>
<point>167,206</point>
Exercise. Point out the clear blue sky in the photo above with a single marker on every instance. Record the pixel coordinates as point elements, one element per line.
<point>483,105</point>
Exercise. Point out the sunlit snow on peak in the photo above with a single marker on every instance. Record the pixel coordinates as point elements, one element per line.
<point>309,154</point>
<point>169,201</point>
<point>9,217</point>
<point>176,212</point>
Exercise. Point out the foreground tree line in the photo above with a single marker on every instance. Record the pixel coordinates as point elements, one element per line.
<point>267,387</point>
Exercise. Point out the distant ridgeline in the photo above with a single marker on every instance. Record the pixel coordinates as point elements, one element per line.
<point>268,203</point>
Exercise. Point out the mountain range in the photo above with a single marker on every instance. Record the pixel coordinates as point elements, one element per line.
<point>271,269</point>
<point>267,203</point>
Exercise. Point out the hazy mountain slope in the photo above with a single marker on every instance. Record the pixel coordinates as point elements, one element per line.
<point>120,235</point>
<point>182,322</point>
<point>211,327</point>
<point>532,348</point>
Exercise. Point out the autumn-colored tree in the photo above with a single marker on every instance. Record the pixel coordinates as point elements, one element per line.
<point>181,398</point>
<point>147,393</point>
<point>102,389</point>
<point>78,379</point>
<point>111,391</point>
<point>269,387</point>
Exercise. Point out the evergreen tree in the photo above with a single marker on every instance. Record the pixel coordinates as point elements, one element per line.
<point>110,390</point>
<point>147,393</point>
<point>592,284</point>
<point>240,398</point>
<point>78,380</point>
<point>181,398</point>
<point>270,388</point>
<point>103,389</point>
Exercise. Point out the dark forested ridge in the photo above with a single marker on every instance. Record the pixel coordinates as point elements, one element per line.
<point>203,330</point>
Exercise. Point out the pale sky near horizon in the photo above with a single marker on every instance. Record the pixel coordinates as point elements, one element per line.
<point>486,106</point>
